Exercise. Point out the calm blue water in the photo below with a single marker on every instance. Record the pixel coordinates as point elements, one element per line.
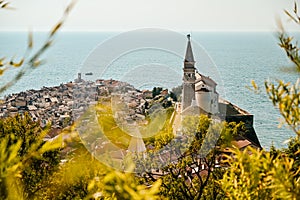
<point>239,57</point>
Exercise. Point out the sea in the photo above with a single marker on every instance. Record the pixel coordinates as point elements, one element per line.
<point>233,59</point>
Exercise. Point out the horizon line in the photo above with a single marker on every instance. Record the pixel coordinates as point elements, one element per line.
<point>118,31</point>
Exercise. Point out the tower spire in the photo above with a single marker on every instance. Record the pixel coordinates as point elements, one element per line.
<point>189,60</point>
<point>188,91</point>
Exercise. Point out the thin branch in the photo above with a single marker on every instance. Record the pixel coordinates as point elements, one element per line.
<point>34,61</point>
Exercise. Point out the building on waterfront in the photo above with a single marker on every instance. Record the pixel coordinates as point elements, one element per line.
<point>199,91</point>
<point>199,96</point>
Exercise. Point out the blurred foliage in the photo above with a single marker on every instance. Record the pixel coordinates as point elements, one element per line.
<point>5,5</point>
<point>81,176</point>
<point>293,152</point>
<point>109,127</point>
<point>286,97</point>
<point>32,168</point>
<point>287,42</point>
<point>26,159</point>
<point>255,174</point>
<point>71,180</point>
<point>30,60</point>
<point>193,176</point>
<point>163,135</point>
<point>125,186</point>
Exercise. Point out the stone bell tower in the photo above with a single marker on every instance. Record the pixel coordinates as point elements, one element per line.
<point>189,77</point>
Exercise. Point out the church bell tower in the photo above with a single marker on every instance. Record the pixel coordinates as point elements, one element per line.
<point>189,77</point>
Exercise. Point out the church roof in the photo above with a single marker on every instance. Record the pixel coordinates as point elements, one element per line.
<point>207,80</point>
<point>189,57</point>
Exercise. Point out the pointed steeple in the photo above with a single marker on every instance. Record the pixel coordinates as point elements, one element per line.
<point>189,77</point>
<point>189,57</point>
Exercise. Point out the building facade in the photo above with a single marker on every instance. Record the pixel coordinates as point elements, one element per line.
<point>198,90</point>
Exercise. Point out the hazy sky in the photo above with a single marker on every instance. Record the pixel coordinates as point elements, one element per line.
<point>185,15</point>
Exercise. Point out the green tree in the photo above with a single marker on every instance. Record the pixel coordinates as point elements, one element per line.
<point>194,175</point>
<point>156,91</point>
<point>118,185</point>
<point>255,174</point>
<point>26,159</point>
<point>271,175</point>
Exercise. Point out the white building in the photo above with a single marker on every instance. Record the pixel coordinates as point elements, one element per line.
<point>199,91</point>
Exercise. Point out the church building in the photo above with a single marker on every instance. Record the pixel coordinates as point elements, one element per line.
<point>199,95</point>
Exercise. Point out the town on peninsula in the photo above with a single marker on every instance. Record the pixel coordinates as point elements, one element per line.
<point>61,106</point>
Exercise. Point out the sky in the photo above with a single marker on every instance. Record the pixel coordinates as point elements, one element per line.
<point>122,15</point>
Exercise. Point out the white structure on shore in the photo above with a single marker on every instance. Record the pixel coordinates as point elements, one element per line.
<point>199,91</point>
